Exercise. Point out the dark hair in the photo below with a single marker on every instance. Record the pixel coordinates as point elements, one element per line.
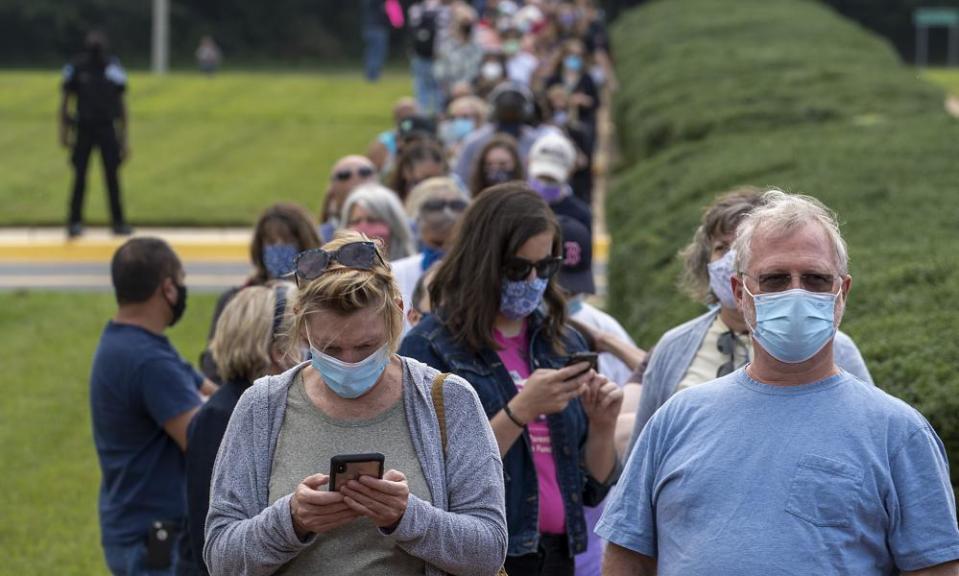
<point>419,151</point>
<point>720,218</point>
<point>139,266</point>
<point>465,292</point>
<point>300,225</point>
<point>478,181</point>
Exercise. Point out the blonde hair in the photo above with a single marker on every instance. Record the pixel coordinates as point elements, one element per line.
<point>244,333</point>
<point>345,291</point>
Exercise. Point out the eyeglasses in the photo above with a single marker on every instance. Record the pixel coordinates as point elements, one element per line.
<point>780,282</point>
<point>311,264</point>
<point>438,205</point>
<point>516,268</point>
<point>727,347</point>
<point>346,173</point>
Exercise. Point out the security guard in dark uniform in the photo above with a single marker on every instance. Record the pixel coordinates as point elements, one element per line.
<point>97,82</point>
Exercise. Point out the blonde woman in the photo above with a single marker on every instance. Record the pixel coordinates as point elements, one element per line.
<point>433,511</point>
<point>250,342</point>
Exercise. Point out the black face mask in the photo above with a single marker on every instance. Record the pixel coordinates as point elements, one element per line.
<point>179,307</point>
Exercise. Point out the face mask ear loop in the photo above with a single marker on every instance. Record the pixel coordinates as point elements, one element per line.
<point>742,278</point>
<point>841,297</point>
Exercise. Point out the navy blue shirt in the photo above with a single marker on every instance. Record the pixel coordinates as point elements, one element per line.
<point>137,383</point>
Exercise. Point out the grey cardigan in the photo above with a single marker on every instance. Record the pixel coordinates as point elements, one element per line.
<point>676,350</point>
<point>462,532</point>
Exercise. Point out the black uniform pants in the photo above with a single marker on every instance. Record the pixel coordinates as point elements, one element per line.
<point>100,135</point>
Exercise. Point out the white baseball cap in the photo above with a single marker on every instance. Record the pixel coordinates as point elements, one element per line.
<point>553,156</point>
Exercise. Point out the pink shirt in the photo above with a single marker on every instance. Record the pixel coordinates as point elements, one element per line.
<point>514,354</point>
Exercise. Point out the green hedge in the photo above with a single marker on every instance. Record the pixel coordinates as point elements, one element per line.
<point>786,93</point>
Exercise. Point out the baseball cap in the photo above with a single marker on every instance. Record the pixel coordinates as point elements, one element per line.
<point>576,275</point>
<point>416,125</point>
<point>554,156</point>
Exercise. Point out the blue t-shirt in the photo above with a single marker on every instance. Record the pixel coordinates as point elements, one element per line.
<point>740,477</point>
<point>138,382</point>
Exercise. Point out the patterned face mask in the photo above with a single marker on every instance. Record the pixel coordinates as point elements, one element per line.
<point>518,299</point>
<point>278,259</point>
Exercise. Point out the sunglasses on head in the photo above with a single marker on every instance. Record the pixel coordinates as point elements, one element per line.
<point>311,264</point>
<point>438,205</point>
<point>346,173</point>
<point>516,268</point>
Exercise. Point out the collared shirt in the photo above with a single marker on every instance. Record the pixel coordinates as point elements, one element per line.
<point>831,477</point>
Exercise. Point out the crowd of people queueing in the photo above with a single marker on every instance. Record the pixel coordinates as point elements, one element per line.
<point>435,316</point>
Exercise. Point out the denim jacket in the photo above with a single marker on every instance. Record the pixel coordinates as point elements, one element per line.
<point>430,342</point>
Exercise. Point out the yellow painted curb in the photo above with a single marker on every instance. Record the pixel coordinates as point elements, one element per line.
<point>83,251</point>
<point>601,247</point>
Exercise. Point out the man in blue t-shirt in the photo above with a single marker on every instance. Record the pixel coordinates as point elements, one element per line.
<point>789,465</point>
<point>142,397</point>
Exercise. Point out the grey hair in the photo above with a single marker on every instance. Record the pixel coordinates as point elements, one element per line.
<point>782,212</point>
<point>384,204</point>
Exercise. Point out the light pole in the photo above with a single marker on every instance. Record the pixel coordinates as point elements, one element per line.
<point>160,55</point>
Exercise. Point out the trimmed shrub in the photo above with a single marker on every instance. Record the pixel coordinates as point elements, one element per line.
<point>785,93</point>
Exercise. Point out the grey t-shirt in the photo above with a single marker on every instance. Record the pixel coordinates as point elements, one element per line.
<point>307,441</point>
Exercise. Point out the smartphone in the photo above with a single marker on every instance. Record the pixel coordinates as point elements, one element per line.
<point>160,541</point>
<point>579,357</point>
<point>346,467</point>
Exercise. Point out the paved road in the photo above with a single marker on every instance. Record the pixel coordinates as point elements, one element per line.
<point>95,276</point>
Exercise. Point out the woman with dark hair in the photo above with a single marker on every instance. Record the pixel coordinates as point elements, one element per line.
<point>499,321</point>
<point>498,162</point>
<point>417,162</point>
<point>282,231</point>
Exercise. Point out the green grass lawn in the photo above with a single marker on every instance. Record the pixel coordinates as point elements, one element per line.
<point>48,488</point>
<point>204,151</point>
<point>948,79</point>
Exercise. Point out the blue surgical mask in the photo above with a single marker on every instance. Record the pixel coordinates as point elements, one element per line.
<point>573,63</point>
<point>278,259</point>
<point>350,379</point>
<point>793,325</point>
<point>720,273</point>
<point>461,127</point>
<point>431,256</point>
<point>519,299</point>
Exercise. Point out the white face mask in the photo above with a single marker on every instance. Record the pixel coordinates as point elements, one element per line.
<point>720,273</point>
<point>491,71</point>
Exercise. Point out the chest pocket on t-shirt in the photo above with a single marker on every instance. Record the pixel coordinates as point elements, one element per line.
<point>825,492</point>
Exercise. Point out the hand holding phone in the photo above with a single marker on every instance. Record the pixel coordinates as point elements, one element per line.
<point>592,358</point>
<point>382,500</point>
<point>318,511</point>
<point>346,467</point>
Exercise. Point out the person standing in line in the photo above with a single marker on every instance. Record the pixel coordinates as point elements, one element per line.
<point>499,321</point>
<point>790,465</point>
<point>252,340</point>
<point>142,398</point>
<point>429,24</point>
<point>348,172</point>
<point>97,82</point>
<point>376,38</point>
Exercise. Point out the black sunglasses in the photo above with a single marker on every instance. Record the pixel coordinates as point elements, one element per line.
<point>516,268</point>
<point>727,347</point>
<point>311,264</point>
<point>438,205</point>
<point>346,173</point>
